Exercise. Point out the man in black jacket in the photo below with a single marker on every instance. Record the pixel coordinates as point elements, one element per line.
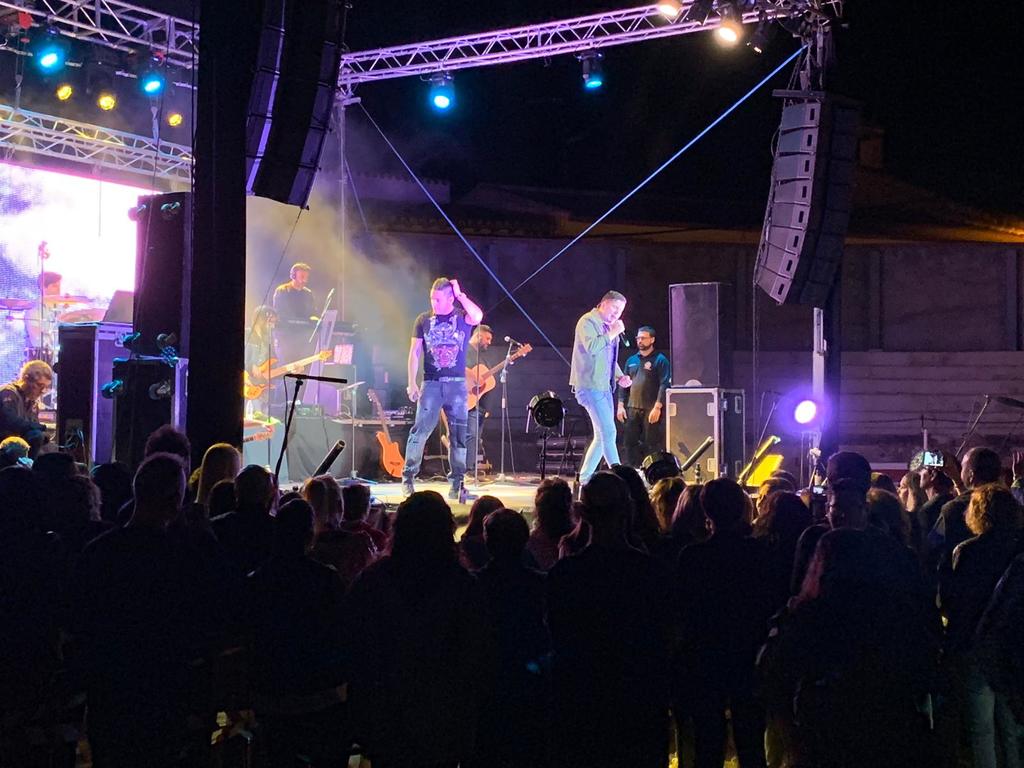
<point>19,405</point>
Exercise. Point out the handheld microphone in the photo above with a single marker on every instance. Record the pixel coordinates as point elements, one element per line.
<point>625,337</point>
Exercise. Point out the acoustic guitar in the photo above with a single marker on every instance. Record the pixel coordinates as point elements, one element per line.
<point>266,371</point>
<point>480,380</point>
<point>391,460</point>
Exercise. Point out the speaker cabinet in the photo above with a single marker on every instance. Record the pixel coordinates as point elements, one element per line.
<point>809,199</point>
<point>153,393</point>
<point>163,270</point>
<point>694,414</point>
<point>86,362</point>
<point>291,97</point>
<point>701,332</point>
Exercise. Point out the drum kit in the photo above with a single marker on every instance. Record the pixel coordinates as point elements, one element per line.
<point>42,319</point>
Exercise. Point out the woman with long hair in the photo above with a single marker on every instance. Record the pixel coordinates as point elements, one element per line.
<point>222,461</point>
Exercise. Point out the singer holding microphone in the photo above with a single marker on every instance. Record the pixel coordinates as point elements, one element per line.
<point>595,371</point>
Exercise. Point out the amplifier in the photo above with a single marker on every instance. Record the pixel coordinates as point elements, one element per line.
<point>309,411</point>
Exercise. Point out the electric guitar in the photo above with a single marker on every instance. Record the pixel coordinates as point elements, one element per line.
<point>480,380</point>
<point>266,371</point>
<point>391,460</point>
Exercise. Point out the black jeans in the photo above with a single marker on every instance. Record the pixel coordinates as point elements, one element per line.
<point>639,437</point>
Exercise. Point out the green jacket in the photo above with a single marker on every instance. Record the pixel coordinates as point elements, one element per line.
<point>594,355</point>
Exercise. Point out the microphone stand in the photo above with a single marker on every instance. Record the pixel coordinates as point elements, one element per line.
<point>504,410</point>
<point>320,318</point>
<point>287,430</point>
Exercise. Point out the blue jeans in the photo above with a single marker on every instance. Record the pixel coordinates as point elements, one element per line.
<point>435,395</point>
<point>598,405</point>
<point>989,722</point>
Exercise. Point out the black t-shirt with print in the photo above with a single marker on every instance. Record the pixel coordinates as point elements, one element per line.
<point>445,338</point>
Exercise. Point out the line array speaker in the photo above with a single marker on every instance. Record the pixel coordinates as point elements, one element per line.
<point>809,199</point>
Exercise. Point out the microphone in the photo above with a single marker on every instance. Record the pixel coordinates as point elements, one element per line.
<point>329,459</point>
<point>624,336</point>
<point>307,377</point>
<point>510,340</point>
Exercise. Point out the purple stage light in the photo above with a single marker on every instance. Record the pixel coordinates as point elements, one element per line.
<point>805,412</point>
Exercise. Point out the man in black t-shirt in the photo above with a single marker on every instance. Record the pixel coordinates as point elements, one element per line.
<point>439,339</point>
<point>293,302</point>
<point>640,404</point>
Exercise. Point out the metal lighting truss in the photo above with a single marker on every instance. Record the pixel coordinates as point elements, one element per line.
<point>599,30</point>
<point>118,25</point>
<point>122,26</point>
<point>40,134</point>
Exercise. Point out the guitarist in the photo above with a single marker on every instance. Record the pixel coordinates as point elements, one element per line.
<point>478,342</point>
<point>440,339</point>
<point>260,346</point>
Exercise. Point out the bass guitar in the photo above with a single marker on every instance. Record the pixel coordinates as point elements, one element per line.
<point>269,369</point>
<point>480,380</point>
<point>391,460</point>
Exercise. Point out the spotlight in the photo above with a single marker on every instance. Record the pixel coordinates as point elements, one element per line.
<point>106,100</point>
<point>112,389</point>
<point>660,465</point>
<point>442,91</point>
<point>762,37</point>
<point>593,71</point>
<point>547,410</point>
<point>64,91</point>
<point>700,11</point>
<point>174,119</point>
<point>731,28</point>
<point>50,53</point>
<point>670,9</point>
<point>152,83</point>
<point>805,412</point>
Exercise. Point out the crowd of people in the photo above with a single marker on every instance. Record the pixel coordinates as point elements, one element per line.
<point>871,625</point>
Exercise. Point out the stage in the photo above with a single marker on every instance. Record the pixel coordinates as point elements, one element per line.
<point>516,494</point>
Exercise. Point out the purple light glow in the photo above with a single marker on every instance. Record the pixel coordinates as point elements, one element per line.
<point>805,412</point>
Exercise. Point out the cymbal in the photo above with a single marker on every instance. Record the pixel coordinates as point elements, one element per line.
<point>83,315</point>
<point>62,300</point>
<point>16,305</point>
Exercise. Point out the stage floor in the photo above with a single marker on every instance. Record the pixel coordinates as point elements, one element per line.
<point>515,493</point>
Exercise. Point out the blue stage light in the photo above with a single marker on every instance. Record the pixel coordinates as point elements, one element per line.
<point>442,92</point>
<point>50,57</point>
<point>152,83</point>
<point>593,71</point>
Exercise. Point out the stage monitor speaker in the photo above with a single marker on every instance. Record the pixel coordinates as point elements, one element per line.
<point>153,392</point>
<point>701,333</point>
<point>695,414</point>
<point>86,362</point>
<point>163,270</point>
<point>809,198</point>
<point>292,97</point>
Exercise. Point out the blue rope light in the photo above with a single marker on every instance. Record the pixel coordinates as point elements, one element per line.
<point>459,233</point>
<point>658,170</point>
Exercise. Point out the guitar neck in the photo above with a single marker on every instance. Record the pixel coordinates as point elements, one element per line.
<point>502,364</point>
<point>284,368</point>
<point>380,415</point>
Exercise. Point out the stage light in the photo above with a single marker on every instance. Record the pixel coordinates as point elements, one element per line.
<point>805,412</point>
<point>152,83</point>
<point>660,465</point>
<point>442,92</point>
<point>700,11</point>
<point>762,37</point>
<point>106,101</point>
<point>174,119</point>
<point>593,71</point>
<point>547,410</point>
<point>64,91</point>
<point>731,28</point>
<point>670,9</point>
<point>50,52</point>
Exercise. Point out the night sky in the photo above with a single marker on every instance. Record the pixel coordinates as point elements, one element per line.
<point>943,81</point>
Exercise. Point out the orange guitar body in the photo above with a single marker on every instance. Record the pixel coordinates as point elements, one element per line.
<point>269,369</point>
<point>391,460</point>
